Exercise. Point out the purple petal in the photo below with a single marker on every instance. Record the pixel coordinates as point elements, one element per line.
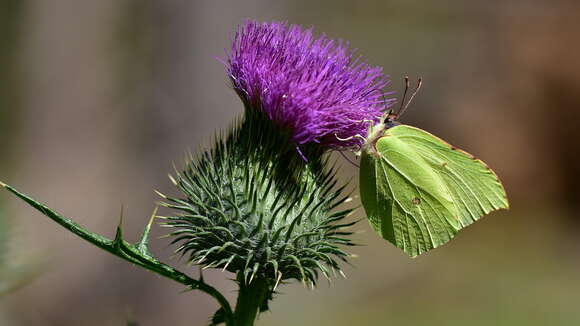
<point>315,87</point>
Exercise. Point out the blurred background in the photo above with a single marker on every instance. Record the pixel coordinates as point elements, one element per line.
<point>98,98</point>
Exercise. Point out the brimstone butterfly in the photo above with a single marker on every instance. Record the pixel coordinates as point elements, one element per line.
<point>417,190</point>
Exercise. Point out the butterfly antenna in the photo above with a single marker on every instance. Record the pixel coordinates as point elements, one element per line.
<point>404,96</point>
<point>419,83</point>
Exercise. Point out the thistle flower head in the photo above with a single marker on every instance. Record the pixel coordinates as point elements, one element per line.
<point>314,87</point>
<point>251,206</point>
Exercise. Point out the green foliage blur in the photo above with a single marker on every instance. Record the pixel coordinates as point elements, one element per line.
<point>97,99</point>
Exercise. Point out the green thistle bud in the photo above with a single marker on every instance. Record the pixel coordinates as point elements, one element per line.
<point>254,207</point>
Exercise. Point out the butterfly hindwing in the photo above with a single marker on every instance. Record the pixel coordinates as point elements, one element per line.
<point>419,191</point>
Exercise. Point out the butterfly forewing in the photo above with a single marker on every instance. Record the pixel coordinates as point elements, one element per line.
<point>418,191</point>
<point>475,188</point>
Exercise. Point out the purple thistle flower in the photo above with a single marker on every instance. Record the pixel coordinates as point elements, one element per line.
<point>315,87</point>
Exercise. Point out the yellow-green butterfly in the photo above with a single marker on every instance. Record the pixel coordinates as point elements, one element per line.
<point>417,190</point>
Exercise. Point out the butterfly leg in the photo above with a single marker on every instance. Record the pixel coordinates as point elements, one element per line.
<point>370,122</point>
<point>350,138</point>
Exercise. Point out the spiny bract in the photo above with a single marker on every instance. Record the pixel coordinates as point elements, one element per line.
<point>251,205</point>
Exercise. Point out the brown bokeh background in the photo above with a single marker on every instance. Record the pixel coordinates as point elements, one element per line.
<point>98,98</point>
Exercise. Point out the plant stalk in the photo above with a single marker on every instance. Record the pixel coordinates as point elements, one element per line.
<point>251,297</point>
<point>137,254</point>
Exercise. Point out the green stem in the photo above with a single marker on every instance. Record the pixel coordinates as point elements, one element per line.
<point>137,254</point>
<point>250,299</point>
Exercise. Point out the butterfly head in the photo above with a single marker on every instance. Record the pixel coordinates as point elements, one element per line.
<point>391,118</point>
